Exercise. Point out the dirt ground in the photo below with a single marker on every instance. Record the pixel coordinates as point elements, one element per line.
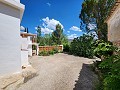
<point>61,72</point>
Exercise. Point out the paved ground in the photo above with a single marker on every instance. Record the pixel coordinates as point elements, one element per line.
<point>61,72</point>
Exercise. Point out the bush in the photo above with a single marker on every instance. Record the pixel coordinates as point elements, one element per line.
<point>103,49</point>
<point>44,53</point>
<point>55,50</point>
<point>82,46</point>
<point>51,52</point>
<point>110,68</point>
<point>66,47</point>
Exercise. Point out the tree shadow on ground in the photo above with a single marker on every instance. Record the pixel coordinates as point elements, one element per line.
<point>86,79</point>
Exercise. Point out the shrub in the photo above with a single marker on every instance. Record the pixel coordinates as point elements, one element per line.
<point>110,68</point>
<point>51,52</point>
<point>44,53</point>
<point>82,46</point>
<point>103,49</point>
<point>66,47</point>
<point>55,50</point>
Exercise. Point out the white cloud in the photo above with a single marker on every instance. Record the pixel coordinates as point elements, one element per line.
<point>75,28</point>
<point>94,34</point>
<point>91,26</point>
<point>48,4</point>
<point>68,31</point>
<point>46,30</point>
<point>36,28</point>
<point>72,36</point>
<point>49,25</point>
<point>22,28</point>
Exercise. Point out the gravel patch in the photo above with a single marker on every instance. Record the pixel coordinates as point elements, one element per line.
<point>61,72</point>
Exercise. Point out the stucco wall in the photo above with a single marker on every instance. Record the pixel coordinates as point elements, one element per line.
<point>17,0</point>
<point>114,26</point>
<point>30,49</point>
<point>24,44</point>
<point>24,58</point>
<point>10,43</point>
<point>29,46</point>
<point>24,52</point>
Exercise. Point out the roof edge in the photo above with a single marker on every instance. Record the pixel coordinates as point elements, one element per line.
<point>16,5</point>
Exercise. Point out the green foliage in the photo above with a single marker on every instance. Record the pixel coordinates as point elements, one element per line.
<point>44,53</point>
<point>57,35</point>
<point>55,50</point>
<point>64,39</point>
<point>51,52</point>
<point>47,53</point>
<point>82,46</point>
<point>34,47</point>
<point>45,40</point>
<point>95,12</point>
<point>110,68</point>
<point>38,34</point>
<point>56,38</point>
<point>103,48</point>
<point>66,47</point>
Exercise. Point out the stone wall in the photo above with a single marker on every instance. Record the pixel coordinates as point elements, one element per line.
<point>114,27</point>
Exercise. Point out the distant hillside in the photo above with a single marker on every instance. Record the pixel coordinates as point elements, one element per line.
<point>70,40</point>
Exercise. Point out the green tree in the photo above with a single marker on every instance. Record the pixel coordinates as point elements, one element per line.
<point>64,39</point>
<point>48,39</point>
<point>57,35</point>
<point>95,12</point>
<point>38,34</point>
<point>83,46</point>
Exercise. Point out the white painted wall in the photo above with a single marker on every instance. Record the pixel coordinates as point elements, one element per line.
<point>29,46</point>
<point>24,52</point>
<point>10,43</point>
<point>30,50</point>
<point>24,44</point>
<point>17,0</point>
<point>24,58</point>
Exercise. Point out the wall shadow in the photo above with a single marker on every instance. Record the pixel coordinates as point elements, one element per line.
<point>86,79</point>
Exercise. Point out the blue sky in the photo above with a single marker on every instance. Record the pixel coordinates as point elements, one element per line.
<point>48,13</point>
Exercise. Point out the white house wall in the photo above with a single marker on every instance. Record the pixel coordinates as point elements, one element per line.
<point>24,58</point>
<point>17,0</point>
<point>24,44</point>
<point>10,45</point>
<point>29,47</point>
<point>15,4</point>
<point>24,52</point>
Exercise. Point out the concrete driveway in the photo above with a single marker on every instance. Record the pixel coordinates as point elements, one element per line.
<point>61,72</point>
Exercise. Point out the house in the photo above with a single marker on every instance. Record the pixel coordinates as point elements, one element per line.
<point>11,12</point>
<point>28,41</point>
<point>113,22</point>
<point>12,58</point>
